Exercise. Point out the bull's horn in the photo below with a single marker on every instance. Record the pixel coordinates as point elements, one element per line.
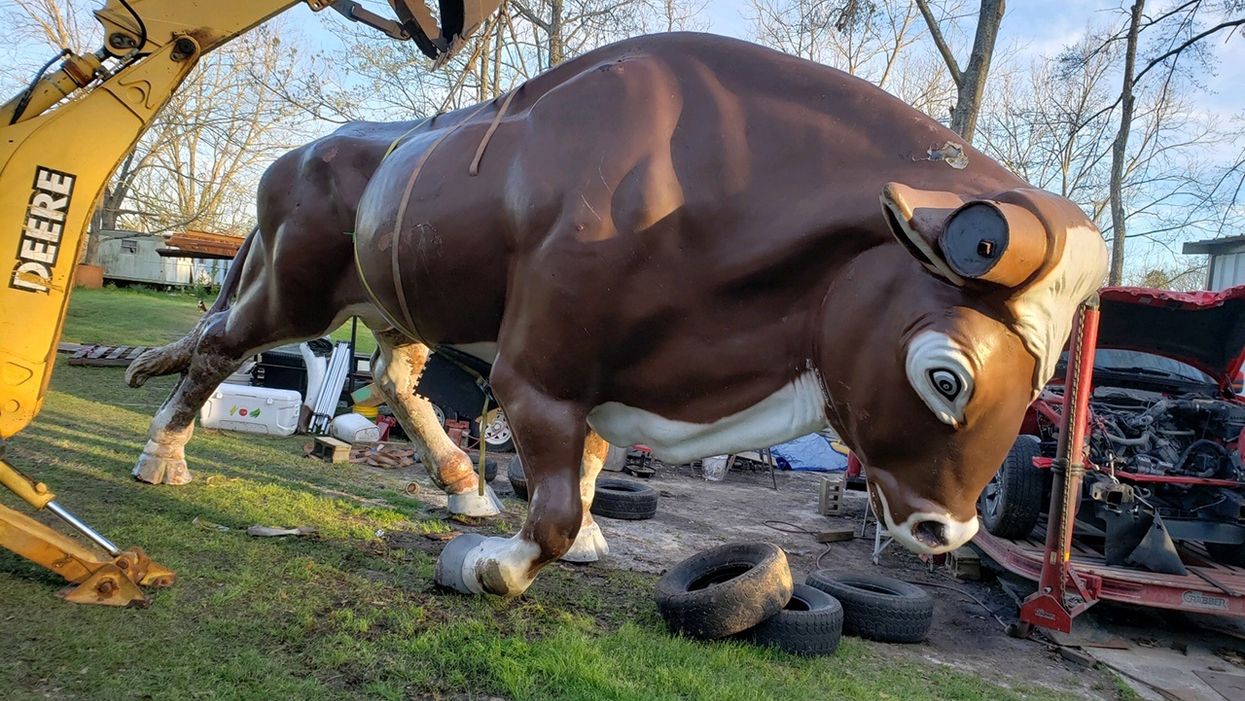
<point>916,218</point>
<point>994,242</point>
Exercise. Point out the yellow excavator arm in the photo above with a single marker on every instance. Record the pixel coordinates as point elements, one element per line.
<point>61,139</point>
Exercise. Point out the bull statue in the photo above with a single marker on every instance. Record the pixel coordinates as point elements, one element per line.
<point>680,240</point>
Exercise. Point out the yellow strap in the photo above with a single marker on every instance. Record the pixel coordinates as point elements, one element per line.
<point>395,268</point>
<point>488,135</point>
<point>483,442</point>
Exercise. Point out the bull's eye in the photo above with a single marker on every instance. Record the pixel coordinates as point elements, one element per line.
<point>940,372</point>
<point>946,382</point>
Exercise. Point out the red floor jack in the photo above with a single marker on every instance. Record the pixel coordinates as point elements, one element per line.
<point>1064,593</point>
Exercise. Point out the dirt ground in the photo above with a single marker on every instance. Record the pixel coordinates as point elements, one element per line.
<point>694,514</point>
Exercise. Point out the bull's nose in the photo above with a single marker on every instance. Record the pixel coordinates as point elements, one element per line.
<point>932,534</point>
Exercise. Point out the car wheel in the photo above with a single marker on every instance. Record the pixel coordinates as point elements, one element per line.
<point>624,499</point>
<point>1011,503</point>
<point>725,590</point>
<point>518,480</point>
<point>810,624</point>
<point>497,433</point>
<point>876,607</point>
<point>1227,553</point>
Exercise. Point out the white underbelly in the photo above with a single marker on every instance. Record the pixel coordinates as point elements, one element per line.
<point>795,410</point>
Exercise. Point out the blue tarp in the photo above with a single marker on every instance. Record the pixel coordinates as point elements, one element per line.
<point>812,453</point>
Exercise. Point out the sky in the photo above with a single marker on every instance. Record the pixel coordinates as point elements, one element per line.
<point>1030,29</point>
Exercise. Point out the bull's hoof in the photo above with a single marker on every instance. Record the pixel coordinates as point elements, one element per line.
<point>470,503</point>
<point>162,465</point>
<point>449,572</point>
<point>589,546</point>
<point>473,564</point>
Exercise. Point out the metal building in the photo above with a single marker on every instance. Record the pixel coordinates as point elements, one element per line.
<point>1226,267</point>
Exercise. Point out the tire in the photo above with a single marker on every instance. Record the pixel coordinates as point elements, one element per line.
<point>624,499</point>
<point>1011,503</point>
<point>810,624</point>
<point>724,591</point>
<point>500,438</point>
<point>1226,553</point>
<point>518,480</point>
<point>877,607</point>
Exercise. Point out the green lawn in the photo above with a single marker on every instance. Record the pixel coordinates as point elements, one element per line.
<point>140,316</point>
<point>351,613</point>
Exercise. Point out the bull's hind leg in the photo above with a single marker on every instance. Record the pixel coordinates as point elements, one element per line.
<point>209,359</point>
<point>590,544</point>
<point>550,437</point>
<point>399,365</point>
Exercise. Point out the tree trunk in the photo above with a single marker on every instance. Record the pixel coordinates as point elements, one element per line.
<point>557,45</point>
<point>973,81</point>
<point>1120,147</point>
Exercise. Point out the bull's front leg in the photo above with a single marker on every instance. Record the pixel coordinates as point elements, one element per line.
<point>399,364</point>
<point>550,437</point>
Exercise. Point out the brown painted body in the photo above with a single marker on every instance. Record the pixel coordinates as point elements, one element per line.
<point>685,224</point>
<point>295,279</point>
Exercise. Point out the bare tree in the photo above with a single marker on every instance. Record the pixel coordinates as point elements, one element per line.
<point>1119,149</point>
<point>970,81</point>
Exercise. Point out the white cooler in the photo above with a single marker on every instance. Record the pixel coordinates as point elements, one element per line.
<point>252,410</point>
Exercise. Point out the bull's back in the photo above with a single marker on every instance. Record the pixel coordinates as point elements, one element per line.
<point>680,173</point>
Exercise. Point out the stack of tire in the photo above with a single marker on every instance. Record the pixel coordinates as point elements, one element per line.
<point>614,498</point>
<point>745,591</point>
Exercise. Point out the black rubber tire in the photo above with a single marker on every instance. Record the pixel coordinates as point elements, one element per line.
<point>876,607</point>
<point>810,624</point>
<point>725,590</point>
<point>1011,504</point>
<point>1226,553</point>
<point>624,499</point>
<point>518,480</point>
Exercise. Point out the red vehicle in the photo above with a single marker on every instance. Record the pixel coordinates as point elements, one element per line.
<point>1160,518</point>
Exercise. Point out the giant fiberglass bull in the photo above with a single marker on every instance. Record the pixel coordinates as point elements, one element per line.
<point>677,240</point>
<point>674,240</point>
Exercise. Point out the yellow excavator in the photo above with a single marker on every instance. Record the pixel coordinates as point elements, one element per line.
<point>60,141</point>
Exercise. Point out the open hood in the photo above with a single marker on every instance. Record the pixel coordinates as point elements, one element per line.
<point>1204,329</point>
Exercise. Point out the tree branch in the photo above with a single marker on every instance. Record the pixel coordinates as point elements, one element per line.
<point>940,42</point>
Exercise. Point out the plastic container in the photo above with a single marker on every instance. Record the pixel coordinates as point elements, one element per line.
<point>368,412</point>
<point>252,410</point>
<point>354,428</point>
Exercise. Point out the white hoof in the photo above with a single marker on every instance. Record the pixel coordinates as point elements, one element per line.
<point>470,503</point>
<point>162,464</point>
<point>589,546</point>
<point>474,565</point>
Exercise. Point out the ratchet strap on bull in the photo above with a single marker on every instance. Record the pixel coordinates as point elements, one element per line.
<point>395,267</point>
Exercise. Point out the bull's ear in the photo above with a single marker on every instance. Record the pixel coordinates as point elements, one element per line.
<point>994,242</point>
<point>917,218</point>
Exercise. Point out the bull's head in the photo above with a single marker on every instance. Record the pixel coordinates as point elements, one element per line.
<point>973,343</point>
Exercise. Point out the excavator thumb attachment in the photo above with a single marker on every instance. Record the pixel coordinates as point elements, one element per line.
<point>95,578</point>
<point>112,578</point>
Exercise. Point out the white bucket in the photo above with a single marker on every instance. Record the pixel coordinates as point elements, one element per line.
<point>714,468</point>
<point>354,428</point>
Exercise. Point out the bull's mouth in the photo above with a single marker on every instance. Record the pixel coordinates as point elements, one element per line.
<point>925,533</point>
<point>931,534</point>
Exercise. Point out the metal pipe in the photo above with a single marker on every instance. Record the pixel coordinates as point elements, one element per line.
<point>84,529</point>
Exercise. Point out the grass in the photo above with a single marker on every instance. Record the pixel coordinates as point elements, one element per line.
<point>143,316</point>
<point>350,613</point>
